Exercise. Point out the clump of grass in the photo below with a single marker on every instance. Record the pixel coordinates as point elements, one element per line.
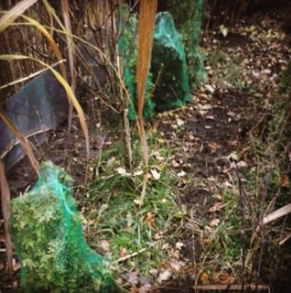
<point>223,240</point>
<point>226,65</point>
<point>135,232</point>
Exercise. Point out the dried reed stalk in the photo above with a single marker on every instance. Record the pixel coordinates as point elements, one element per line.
<point>146,23</point>
<point>22,139</point>
<point>5,201</point>
<point>71,53</point>
<point>147,12</point>
<point>23,40</point>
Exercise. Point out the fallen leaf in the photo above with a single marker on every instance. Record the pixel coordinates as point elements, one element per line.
<point>218,196</point>
<point>209,88</point>
<point>180,122</point>
<point>138,173</point>
<point>104,245</point>
<point>122,251</point>
<point>179,245</point>
<point>164,276</point>
<point>204,278</point>
<point>223,30</point>
<point>153,272</point>
<point>122,171</point>
<point>137,201</point>
<point>149,220</point>
<point>145,288</point>
<point>159,157</point>
<point>176,265</point>
<point>181,173</point>
<point>165,246</point>
<point>175,164</point>
<point>213,146</point>
<point>156,175</point>
<point>158,236</point>
<point>284,181</point>
<point>216,207</point>
<point>214,222</point>
<point>224,278</point>
<point>241,164</point>
<point>132,278</point>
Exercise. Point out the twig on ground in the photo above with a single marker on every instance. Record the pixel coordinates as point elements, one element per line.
<point>236,287</point>
<point>261,227</point>
<point>126,257</point>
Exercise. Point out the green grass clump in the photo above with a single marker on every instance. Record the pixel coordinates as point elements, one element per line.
<point>125,225</point>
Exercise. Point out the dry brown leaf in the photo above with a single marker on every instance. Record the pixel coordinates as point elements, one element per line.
<point>158,235</point>
<point>213,146</point>
<point>104,245</point>
<point>122,251</point>
<point>216,207</point>
<point>149,220</point>
<point>284,181</point>
<point>164,276</point>
<point>176,265</point>
<point>224,278</point>
<point>179,245</point>
<point>214,223</point>
<point>204,278</point>
<point>165,246</point>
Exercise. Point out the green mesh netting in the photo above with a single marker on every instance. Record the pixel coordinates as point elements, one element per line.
<point>127,49</point>
<point>168,65</point>
<point>47,236</point>
<point>188,17</point>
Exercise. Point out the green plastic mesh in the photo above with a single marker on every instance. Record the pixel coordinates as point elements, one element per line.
<point>188,17</point>
<point>48,239</point>
<point>168,66</point>
<point>127,49</point>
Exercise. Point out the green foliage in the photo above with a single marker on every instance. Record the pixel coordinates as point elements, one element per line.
<point>126,226</point>
<point>48,239</point>
<point>225,239</point>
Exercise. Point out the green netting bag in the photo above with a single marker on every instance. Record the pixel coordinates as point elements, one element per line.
<point>48,239</point>
<point>168,65</point>
<point>127,49</point>
<point>188,17</point>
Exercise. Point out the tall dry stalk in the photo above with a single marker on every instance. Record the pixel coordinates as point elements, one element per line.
<point>5,202</point>
<point>71,53</point>
<point>147,13</point>
<point>146,23</point>
<point>6,21</point>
